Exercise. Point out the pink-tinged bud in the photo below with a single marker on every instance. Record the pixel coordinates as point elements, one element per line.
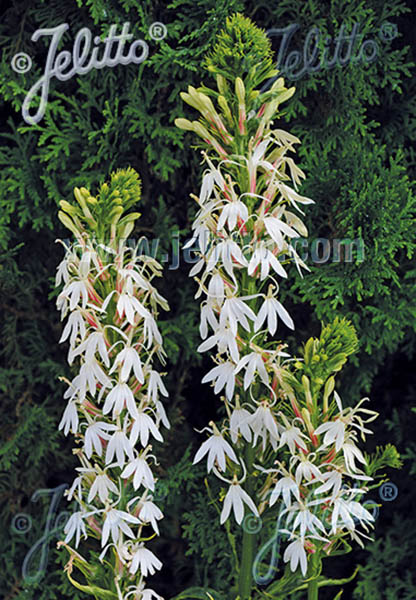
<point>253,183</point>
<point>295,408</point>
<point>301,449</point>
<point>92,294</point>
<point>137,388</point>
<point>259,131</point>
<point>330,456</point>
<point>91,408</point>
<point>314,440</point>
<point>105,276</point>
<point>93,524</point>
<point>91,321</point>
<point>218,148</point>
<point>261,111</point>
<point>241,225</point>
<point>242,119</point>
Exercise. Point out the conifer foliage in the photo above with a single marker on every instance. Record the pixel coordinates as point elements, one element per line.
<point>357,126</point>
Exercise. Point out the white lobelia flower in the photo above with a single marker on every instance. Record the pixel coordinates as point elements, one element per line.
<point>334,432</point>
<point>297,260</point>
<point>225,339</point>
<point>142,426</point>
<point>253,363</point>
<point>120,445</point>
<point>149,594</point>
<point>352,453</point>
<point>76,485</point>
<point>306,469</point>
<point>270,309</point>
<point>130,360</point>
<point>236,209</point>
<point>74,292</point>
<point>277,228</point>
<point>296,554</point>
<point>90,373</point>
<point>265,258</point>
<point>239,423</point>
<point>144,559</point>
<point>304,518</point>
<point>69,418</point>
<point>140,593</point>
<point>216,289</point>
<point>94,434</point>
<point>228,250</point>
<point>161,413</point>
<point>75,326</point>
<point>293,196</point>
<point>234,499</point>
<point>103,486</point>
<point>218,448</point>
<point>207,317</point>
<point>235,311</point>
<point>62,273</point>
<point>285,486</point>
<point>344,511</point>
<point>292,436</point>
<point>150,513</point>
<point>224,376</point>
<point>129,305</point>
<point>263,422</point>
<point>130,274</point>
<point>151,331</point>
<point>75,526</point>
<point>332,479</point>
<point>142,473</point>
<point>96,341</point>
<point>119,397</point>
<point>114,523</point>
<point>155,385</point>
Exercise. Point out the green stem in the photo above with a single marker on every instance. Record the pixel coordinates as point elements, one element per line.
<point>247,556</point>
<point>313,585</point>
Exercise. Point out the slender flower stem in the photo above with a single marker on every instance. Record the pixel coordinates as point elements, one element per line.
<point>249,538</point>
<point>313,585</point>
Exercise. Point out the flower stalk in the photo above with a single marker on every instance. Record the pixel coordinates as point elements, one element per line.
<point>114,408</point>
<point>285,420</point>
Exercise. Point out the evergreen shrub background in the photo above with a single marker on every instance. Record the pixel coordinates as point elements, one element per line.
<point>357,125</point>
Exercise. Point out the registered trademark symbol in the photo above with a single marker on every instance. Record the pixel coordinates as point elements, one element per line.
<point>158,31</point>
<point>21,62</point>
<point>388,31</point>
<point>388,491</point>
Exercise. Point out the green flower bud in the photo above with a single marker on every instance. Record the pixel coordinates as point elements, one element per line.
<point>68,222</point>
<point>69,208</point>
<point>184,124</point>
<point>240,90</point>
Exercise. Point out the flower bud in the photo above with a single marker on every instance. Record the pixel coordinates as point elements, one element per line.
<point>68,208</point>
<point>184,124</point>
<point>222,84</point>
<point>240,90</point>
<point>200,130</point>
<point>68,222</point>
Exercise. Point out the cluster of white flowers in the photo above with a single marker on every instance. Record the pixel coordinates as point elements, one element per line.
<point>318,487</point>
<point>244,229</point>
<point>113,403</point>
